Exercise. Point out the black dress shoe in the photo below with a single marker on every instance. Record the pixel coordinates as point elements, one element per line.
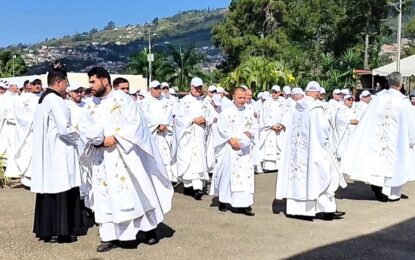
<point>131,244</point>
<point>67,239</point>
<point>51,239</point>
<point>198,194</point>
<point>188,191</point>
<point>306,218</point>
<point>333,215</point>
<point>150,237</point>
<point>107,246</point>
<point>247,211</point>
<point>222,207</point>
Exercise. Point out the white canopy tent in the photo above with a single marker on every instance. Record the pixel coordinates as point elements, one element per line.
<point>407,68</point>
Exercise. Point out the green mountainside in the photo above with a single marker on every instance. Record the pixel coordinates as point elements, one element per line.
<point>112,46</point>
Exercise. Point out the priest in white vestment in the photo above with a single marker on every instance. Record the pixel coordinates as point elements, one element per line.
<point>24,110</point>
<point>55,165</point>
<point>381,150</point>
<point>214,108</point>
<point>272,140</point>
<point>363,104</point>
<point>233,182</point>
<point>8,132</point>
<point>334,104</point>
<point>189,146</point>
<point>308,177</point>
<point>131,191</point>
<point>254,110</point>
<point>345,124</point>
<point>212,90</point>
<point>225,100</point>
<point>75,105</point>
<point>168,94</point>
<point>159,118</point>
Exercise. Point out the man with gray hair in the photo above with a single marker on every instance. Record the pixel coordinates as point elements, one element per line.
<point>381,150</point>
<point>308,177</point>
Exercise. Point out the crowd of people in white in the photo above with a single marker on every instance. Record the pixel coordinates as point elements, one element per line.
<point>120,153</point>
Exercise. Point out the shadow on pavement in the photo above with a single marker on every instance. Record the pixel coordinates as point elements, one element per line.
<point>395,242</point>
<point>356,191</point>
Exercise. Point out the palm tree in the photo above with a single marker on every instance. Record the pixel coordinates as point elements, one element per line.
<point>350,60</point>
<point>180,65</point>
<point>138,64</point>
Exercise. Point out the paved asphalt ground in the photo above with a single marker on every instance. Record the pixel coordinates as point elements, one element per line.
<point>197,230</point>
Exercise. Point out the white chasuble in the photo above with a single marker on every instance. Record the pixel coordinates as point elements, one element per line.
<point>129,181</point>
<point>159,112</point>
<point>380,151</point>
<point>189,146</point>
<point>233,176</point>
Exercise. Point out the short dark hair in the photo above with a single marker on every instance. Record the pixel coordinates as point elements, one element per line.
<point>100,73</point>
<point>26,82</point>
<point>56,73</point>
<point>119,81</point>
<point>37,81</point>
<point>238,88</point>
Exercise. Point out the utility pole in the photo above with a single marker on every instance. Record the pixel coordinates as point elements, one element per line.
<point>181,63</point>
<point>398,56</point>
<point>150,57</point>
<point>366,59</point>
<point>14,57</point>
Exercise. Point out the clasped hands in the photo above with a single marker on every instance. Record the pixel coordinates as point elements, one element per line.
<point>277,128</point>
<point>162,128</point>
<point>109,141</point>
<point>354,122</point>
<point>234,143</point>
<point>199,121</point>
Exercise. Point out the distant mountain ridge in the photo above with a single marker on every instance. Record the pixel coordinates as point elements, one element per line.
<point>112,46</point>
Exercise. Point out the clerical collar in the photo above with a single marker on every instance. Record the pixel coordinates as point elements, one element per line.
<point>197,98</point>
<point>159,98</point>
<point>239,108</point>
<point>47,92</point>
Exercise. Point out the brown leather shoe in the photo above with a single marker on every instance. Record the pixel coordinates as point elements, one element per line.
<point>107,246</point>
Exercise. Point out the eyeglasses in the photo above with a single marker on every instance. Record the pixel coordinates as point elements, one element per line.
<point>274,92</point>
<point>214,91</point>
<point>78,91</point>
<point>165,88</point>
<point>157,88</point>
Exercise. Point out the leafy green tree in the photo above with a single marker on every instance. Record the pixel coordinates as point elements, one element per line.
<point>110,26</point>
<point>251,28</point>
<point>409,29</point>
<point>8,64</point>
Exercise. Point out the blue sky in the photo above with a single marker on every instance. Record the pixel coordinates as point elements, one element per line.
<point>30,21</point>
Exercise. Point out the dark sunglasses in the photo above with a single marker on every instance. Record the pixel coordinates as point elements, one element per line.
<point>164,88</point>
<point>157,88</point>
<point>214,91</point>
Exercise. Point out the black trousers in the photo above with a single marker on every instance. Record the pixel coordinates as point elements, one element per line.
<point>58,214</point>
